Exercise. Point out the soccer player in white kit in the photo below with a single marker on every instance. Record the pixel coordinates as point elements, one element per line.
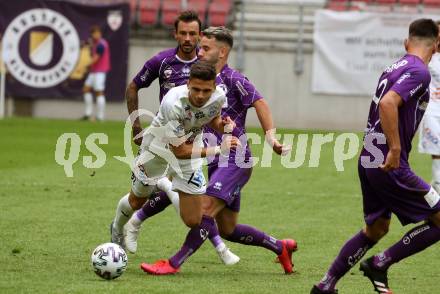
<point>430,127</point>
<point>173,146</point>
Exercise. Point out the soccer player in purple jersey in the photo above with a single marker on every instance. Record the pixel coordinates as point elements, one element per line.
<point>227,176</point>
<point>172,68</point>
<point>387,182</point>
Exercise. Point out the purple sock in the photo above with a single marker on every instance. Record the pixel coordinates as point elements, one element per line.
<point>416,240</point>
<point>157,203</point>
<point>248,235</point>
<point>353,250</point>
<point>214,236</point>
<point>194,239</point>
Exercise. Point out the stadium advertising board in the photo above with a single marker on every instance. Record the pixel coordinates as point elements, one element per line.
<point>47,49</point>
<point>353,48</point>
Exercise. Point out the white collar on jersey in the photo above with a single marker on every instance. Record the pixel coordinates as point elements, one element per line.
<point>185,61</point>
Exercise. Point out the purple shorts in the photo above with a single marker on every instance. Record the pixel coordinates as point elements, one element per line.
<point>226,183</point>
<point>400,192</point>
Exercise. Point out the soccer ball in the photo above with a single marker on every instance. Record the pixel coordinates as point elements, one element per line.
<point>109,261</point>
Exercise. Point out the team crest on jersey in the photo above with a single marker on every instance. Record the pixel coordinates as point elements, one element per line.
<point>212,111</point>
<point>188,112</point>
<point>32,42</point>
<point>167,73</point>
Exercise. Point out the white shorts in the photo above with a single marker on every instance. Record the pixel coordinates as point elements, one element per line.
<point>430,135</point>
<point>96,81</point>
<point>187,175</point>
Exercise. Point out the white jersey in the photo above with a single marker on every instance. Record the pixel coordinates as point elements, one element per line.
<point>177,121</point>
<point>434,87</point>
<point>178,118</point>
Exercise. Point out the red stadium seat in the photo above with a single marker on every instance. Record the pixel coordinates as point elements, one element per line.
<point>409,6</point>
<point>170,10</point>
<point>149,12</point>
<point>133,11</point>
<point>432,3</point>
<point>409,2</point>
<point>338,5</point>
<point>219,11</point>
<point>199,6</point>
<point>386,2</point>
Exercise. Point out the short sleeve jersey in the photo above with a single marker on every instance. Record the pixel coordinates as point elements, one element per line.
<point>241,94</point>
<point>409,78</point>
<point>169,68</point>
<point>180,119</point>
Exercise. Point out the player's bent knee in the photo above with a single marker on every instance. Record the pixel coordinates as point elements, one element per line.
<point>377,231</point>
<point>226,232</point>
<point>191,221</point>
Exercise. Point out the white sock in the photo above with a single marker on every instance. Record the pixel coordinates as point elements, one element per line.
<point>436,173</point>
<point>100,107</point>
<point>220,247</point>
<point>88,101</point>
<point>123,214</point>
<point>135,220</point>
<point>165,185</point>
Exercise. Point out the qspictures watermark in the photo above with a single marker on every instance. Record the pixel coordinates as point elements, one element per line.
<point>345,147</point>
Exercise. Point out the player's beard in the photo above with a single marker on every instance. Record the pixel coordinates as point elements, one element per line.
<point>187,48</point>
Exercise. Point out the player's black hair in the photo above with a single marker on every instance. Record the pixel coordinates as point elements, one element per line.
<point>423,28</point>
<point>203,70</point>
<point>188,16</point>
<point>221,34</point>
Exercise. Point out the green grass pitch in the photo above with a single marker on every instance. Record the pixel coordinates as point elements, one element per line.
<point>49,224</point>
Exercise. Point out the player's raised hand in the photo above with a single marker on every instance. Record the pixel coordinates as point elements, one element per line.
<point>228,124</point>
<point>281,149</point>
<point>228,143</point>
<point>392,161</point>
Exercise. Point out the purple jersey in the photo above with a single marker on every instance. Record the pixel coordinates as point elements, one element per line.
<point>168,67</point>
<point>409,77</point>
<point>240,94</point>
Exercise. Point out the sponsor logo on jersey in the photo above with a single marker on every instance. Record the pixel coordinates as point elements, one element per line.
<point>199,115</point>
<point>403,77</point>
<point>413,91</point>
<point>396,65</point>
<point>52,52</point>
<point>241,89</point>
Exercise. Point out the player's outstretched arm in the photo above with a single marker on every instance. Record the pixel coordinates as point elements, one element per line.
<point>131,95</point>
<point>188,151</point>
<point>265,117</point>
<point>389,120</point>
